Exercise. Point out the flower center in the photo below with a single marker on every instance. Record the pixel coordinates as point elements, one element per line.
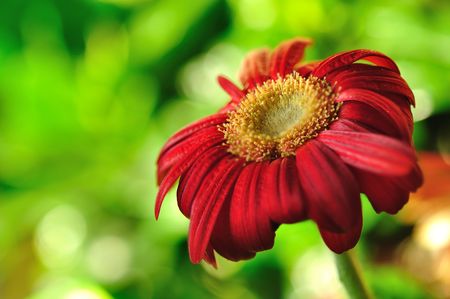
<point>274,119</point>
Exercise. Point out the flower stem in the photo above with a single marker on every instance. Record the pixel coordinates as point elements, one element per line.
<point>351,277</point>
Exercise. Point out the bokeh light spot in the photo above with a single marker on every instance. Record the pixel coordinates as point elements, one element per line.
<point>109,258</point>
<point>60,235</point>
<point>434,232</point>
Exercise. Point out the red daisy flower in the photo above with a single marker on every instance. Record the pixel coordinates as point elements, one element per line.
<point>298,141</point>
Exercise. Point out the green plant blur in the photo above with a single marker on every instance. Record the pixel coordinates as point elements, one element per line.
<point>89,91</point>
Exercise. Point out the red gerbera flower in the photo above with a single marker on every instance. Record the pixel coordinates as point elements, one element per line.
<point>298,141</point>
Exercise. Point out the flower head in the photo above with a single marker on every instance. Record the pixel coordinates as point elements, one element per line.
<point>298,141</point>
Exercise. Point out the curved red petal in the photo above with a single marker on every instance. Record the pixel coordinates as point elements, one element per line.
<point>209,256</point>
<point>269,190</point>
<point>344,124</point>
<point>250,225</point>
<point>185,148</point>
<point>189,130</point>
<point>255,68</point>
<point>329,186</point>
<point>372,152</point>
<point>383,105</point>
<point>383,193</point>
<point>228,107</point>
<point>286,56</point>
<point>339,242</point>
<point>389,194</point>
<point>305,69</point>
<point>376,78</point>
<point>280,193</point>
<point>235,93</point>
<point>413,180</point>
<point>263,223</point>
<point>292,206</point>
<point>207,206</point>
<point>182,165</point>
<point>223,241</point>
<point>192,180</point>
<point>382,85</point>
<point>345,58</point>
<point>369,118</point>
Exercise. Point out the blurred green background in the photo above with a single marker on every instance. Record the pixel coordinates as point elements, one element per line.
<point>89,91</point>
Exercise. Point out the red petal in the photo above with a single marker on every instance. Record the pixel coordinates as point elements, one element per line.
<point>286,56</point>
<point>369,118</point>
<point>382,105</point>
<point>250,225</point>
<point>378,84</point>
<point>345,58</point>
<point>235,93</point>
<point>192,180</point>
<point>255,68</point>
<point>340,242</point>
<point>184,149</point>
<point>210,121</point>
<point>372,152</point>
<point>279,189</point>
<point>207,206</point>
<point>343,124</point>
<point>388,194</point>
<point>292,204</point>
<point>379,79</point>
<point>305,69</point>
<point>223,241</point>
<point>181,166</point>
<point>209,256</point>
<point>330,188</point>
<point>228,107</point>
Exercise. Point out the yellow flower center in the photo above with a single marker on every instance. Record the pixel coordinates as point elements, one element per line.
<point>274,119</point>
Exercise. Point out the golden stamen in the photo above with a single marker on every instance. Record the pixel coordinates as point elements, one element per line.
<point>274,119</point>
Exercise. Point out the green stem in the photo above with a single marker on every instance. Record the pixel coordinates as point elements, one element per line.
<point>350,275</point>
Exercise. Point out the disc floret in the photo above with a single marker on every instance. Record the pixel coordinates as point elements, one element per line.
<point>275,118</point>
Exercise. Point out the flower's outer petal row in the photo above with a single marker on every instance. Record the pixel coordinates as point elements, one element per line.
<point>346,58</point>
<point>372,152</point>
<point>280,191</point>
<point>330,188</point>
<point>384,106</point>
<point>191,181</point>
<point>286,56</point>
<point>180,143</point>
<point>389,194</point>
<point>208,204</point>
<point>343,241</point>
<point>235,93</point>
<point>198,147</point>
<point>255,68</point>
<point>250,224</point>
<point>376,78</point>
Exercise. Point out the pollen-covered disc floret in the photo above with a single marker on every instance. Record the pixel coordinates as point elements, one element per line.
<point>274,119</point>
